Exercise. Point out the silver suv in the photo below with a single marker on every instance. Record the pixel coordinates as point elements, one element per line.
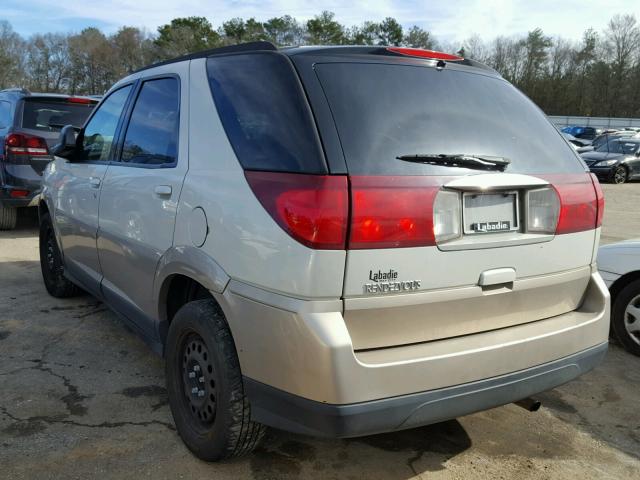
<point>331,241</point>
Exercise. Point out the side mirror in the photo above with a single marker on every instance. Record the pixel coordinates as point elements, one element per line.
<point>66,145</point>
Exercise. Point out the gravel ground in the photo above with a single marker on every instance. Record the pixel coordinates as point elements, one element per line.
<point>82,397</point>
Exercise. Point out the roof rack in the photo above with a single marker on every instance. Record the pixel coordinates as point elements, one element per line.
<point>242,47</point>
<point>16,90</point>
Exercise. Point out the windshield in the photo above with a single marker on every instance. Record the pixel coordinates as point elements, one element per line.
<point>619,146</point>
<point>51,116</point>
<point>383,111</point>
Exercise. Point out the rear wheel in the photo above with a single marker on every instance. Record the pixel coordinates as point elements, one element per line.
<point>51,263</point>
<point>204,383</point>
<point>626,317</point>
<point>620,175</point>
<point>8,217</point>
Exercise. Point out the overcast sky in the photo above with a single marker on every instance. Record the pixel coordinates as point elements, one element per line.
<point>449,20</point>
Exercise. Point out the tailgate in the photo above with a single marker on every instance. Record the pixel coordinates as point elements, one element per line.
<point>443,248</point>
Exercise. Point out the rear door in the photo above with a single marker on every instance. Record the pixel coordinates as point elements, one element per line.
<point>438,251</point>
<point>76,189</point>
<point>140,194</point>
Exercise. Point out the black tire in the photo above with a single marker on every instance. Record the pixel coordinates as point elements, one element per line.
<point>8,217</point>
<point>621,321</point>
<point>620,175</point>
<point>216,424</point>
<point>51,263</point>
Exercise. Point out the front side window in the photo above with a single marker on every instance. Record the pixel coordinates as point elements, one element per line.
<point>100,131</point>
<point>152,134</point>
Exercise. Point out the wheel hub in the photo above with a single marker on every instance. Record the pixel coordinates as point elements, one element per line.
<point>198,380</point>
<point>632,319</point>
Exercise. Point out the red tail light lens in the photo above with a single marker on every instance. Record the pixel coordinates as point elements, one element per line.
<point>83,100</point>
<point>19,193</point>
<point>388,212</point>
<point>23,144</point>
<point>600,198</point>
<point>578,203</point>
<point>419,52</point>
<point>313,209</point>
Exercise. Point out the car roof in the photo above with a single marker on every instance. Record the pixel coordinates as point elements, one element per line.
<point>346,50</point>
<point>23,93</point>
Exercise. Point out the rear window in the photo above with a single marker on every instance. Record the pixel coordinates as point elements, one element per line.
<point>265,113</point>
<point>51,116</point>
<point>383,111</point>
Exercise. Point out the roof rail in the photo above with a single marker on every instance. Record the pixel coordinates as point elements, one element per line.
<point>242,47</point>
<point>17,90</point>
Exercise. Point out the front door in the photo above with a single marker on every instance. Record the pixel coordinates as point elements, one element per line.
<point>140,195</point>
<point>77,190</point>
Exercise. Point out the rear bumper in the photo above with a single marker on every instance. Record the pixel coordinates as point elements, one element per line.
<point>298,358</point>
<point>30,200</point>
<point>283,410</point>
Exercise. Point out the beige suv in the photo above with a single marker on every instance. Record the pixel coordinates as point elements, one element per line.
<point>332,241</point>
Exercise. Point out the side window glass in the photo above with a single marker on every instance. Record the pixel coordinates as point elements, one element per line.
<point>152,134</point>
<point>101,129</point>
<point>5,114</point>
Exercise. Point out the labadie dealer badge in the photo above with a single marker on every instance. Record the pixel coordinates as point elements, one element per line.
<point>387,281</point>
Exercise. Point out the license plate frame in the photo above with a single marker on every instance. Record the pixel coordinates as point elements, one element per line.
<point>513,220</point>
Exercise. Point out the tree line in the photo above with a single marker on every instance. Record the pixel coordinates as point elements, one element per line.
<point>598,75</point>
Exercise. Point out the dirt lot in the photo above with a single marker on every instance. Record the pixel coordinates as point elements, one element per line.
<point>81,397</point>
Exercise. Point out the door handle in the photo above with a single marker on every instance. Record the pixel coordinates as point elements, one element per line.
<point>94,182</point>
<point>163,190</point>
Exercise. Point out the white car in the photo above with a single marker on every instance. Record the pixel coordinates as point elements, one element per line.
<point>619,265</point>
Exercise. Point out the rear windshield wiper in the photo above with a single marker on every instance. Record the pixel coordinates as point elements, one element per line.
<point>462,160</point>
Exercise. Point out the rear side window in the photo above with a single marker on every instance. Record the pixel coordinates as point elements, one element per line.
<point>383,111</point>
<point>265,113</point>
<point>51,116</point>
<point>5,114</point>
<point>152,134</point>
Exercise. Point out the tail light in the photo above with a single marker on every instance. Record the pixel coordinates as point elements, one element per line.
<point>543,210</point>
<point>24,144</point>
<point>313,209</point>
<point>578,206</point>
<point>600,199</point>
<point>388,212</point>
<point>447,218</point>
<point>406,211</point>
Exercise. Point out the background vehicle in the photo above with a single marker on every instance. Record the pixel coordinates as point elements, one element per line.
<point>615,161</point>
<point>583,133</point>
<point>29,125</point>
<point>619,265</point>
<point>317,250</point>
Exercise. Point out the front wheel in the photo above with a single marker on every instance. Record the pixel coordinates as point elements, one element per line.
<point>51,263</point>
<point>626,317</point>
<point>204,383</point>
<point>620,175</point>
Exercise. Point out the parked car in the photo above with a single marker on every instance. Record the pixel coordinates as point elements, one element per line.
<point>605,138</point>
<point>315,249</point>
<point>583,133</point>
<point>616,161</point>
<point>29,125</point>
<point>619,265</point>
<point>575,143</point>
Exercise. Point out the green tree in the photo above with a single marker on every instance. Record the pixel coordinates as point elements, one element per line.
<point>390,32</point>
<point>284,30</point>
<point>186,35</point>
<point>416,37</point>
<point>12,48</point>
<point>323,29</point>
